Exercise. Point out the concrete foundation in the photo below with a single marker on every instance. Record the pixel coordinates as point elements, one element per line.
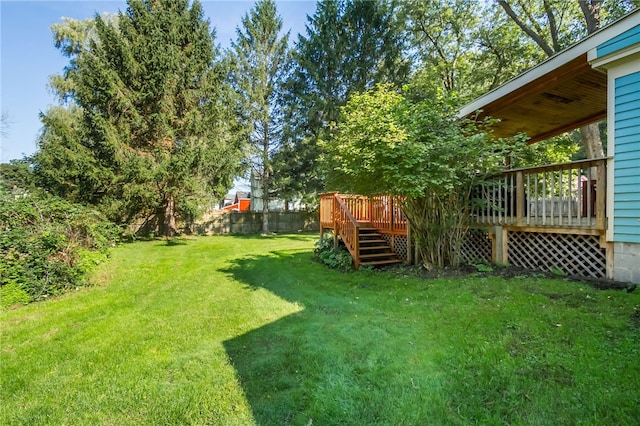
<point>626,262</point>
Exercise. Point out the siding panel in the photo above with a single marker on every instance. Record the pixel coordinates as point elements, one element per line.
<point>626,194</point>
<point>624,40</point>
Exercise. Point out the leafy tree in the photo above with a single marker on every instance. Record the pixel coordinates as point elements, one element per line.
<point>420,153</point>
<point>17,175</point>
<point>555,24</point>
<point>348,47</point>
<point>147,130</point>
<point>463,47</point>
<point>260,57</point>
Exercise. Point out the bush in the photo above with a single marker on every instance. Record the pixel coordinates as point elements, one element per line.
<point>337,259</point>
<point>47,245</point>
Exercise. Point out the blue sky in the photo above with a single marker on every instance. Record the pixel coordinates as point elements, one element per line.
<point>28,56</point>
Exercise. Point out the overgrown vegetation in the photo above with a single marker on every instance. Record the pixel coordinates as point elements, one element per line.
<point>47,245</point>
<point>248,330</point>
<point>338,258</point>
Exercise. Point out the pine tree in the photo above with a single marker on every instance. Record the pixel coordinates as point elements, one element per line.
<point>348,48</point>
<point>153,129</point>
<point>259,59</point>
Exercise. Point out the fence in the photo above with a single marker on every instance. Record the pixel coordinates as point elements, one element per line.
<point>220,223</point>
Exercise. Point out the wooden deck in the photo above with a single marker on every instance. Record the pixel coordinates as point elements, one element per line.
<point>549,217</point>
<point>356,219</point>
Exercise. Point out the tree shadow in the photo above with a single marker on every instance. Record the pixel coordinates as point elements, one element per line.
<point>325,364</point>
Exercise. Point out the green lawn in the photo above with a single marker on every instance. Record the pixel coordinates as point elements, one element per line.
<point>249,330</point>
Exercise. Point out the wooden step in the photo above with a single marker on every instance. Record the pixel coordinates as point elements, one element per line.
<point>377,255</point>
<point>382,242</point>
<point>381,262</point>
<point>375,248</point>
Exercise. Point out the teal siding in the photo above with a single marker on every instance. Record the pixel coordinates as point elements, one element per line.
<point>626,193</point>
<point>626,39</point>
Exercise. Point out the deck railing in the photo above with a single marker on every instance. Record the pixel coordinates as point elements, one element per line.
<point>347,226</point>
<point>382,212</point>
<point>569,195</point>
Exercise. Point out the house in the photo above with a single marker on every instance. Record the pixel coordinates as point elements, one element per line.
<point>596,78</point>
<point>241,202</point>
<point>580,218</point>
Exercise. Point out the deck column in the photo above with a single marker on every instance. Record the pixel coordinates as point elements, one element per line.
<point>520,201</point>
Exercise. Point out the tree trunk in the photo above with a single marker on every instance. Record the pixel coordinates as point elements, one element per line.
<point>590,135</point>
<point>265,202</point>
<point>169,217</point>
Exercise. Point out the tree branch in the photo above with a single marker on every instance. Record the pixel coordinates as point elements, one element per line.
<point>553,26</point>
<point>591,12</point>
<point>531,33</point>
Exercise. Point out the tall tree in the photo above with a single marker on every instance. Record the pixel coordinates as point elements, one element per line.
<point>260,57</point>
<point>349,46</point>
<point>463,47</point>
<point>152,134</point>
<point>554,24</point>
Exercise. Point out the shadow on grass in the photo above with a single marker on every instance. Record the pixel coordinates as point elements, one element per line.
<point>369,349</point>
<point>300,369</point>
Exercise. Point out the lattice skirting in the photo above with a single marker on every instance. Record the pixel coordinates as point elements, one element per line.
<point>399,244</point>
<point>572,254</point>
<point>476,247</point>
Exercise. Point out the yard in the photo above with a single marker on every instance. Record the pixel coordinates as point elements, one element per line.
<point>250,330</point>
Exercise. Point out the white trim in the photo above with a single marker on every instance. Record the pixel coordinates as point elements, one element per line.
<point>582,47</point>
<point>609,60</point>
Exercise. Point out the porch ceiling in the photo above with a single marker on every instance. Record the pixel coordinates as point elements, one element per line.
<point>562,99</point>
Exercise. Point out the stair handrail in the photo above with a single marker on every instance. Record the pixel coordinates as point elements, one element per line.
<point>348,228</point>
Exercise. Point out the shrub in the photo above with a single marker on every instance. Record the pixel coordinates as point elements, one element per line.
<point>337,259</point>
<point>47,245</point>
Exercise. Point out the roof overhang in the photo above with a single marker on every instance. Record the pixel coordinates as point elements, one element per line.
<point>560,94</point>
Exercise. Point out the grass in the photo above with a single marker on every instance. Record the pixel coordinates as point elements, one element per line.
<point>249,330</point>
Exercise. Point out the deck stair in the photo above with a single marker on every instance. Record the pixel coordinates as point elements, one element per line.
<point>374,249</point>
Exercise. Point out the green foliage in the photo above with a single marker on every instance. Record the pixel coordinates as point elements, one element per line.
<point>259,59</point>
<point>47,245</point>
<point>419,152</point>
<point>146,129</point>
<point>559,149</point>
<point>483,267</point>
<point>349,46</point>
<point>337,259</point>
<point>17,174</point>
<point>464,47</point>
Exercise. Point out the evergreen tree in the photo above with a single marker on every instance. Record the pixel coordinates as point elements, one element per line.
<point>348,47</point>
<point>153,137</point>
<point>259,58</point>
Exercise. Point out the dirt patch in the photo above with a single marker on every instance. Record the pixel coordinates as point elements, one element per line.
<point>508,272</point>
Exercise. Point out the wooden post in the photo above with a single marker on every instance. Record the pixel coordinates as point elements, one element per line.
<point>356,245</point>
<point>409,251</point>
<point>334,219</point>
<point>392,213</point>
<point>520,200</point>
<point>601,195</point>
